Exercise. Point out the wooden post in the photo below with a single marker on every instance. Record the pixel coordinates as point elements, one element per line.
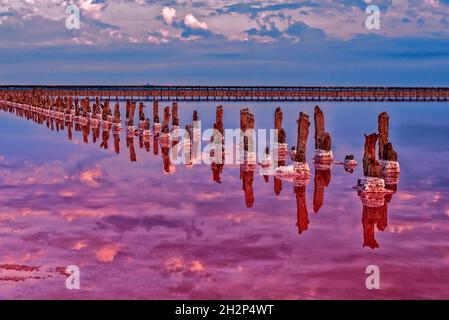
<point>319,127</point>
<point>278,119</point>
<point>155,111</point>
<point>383,126</point>
<point>174,111</point>
<point>303,134</point>
<point>132,111</point>
<point>371,167</point>
<point>141,112</point>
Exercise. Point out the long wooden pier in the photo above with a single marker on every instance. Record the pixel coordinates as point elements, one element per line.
<point>239,93</point>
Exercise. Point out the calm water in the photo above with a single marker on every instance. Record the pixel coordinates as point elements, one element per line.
<point>137,232</point>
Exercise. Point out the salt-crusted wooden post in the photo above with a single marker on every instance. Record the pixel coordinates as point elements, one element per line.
<point>278,119</point>
<point>166,117</point>
<point>174,112</point>
<point>371,167</point>
<point>383,126</point>
<point>323,143</point>
<point>132,111</point>
<point>319,127</point>
<point>117,115</point>
<point>248,166</point>
<point>217,154</point>
<point>243,118</point>
<point>219,119</point>
<point>155,111</point>
<point>141,118</point>
<point>141,112</point>
<point>280,156</point>
<point>188,139</point>
<point>303,134</point>
<point>127,108</point>
<point>387,155</point>
<point>281,162</point>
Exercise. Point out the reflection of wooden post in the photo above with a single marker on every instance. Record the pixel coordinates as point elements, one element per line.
<point>370,217</point>
<point>188,137</point>
<point>166,159</point>
<point>95,134</point>
<point>140,141</point>
<point>69,130</point>
<point>303,133</point>
<point>217,170</point>
<point>117,143</point>
<point>301,209</point>
<point>155,145</point>
<point>322,180</point>
<point>383,124</point>
<point>248,178</point>
<point>105,139</point>
<point>132,150</point>
<point>86,132</point>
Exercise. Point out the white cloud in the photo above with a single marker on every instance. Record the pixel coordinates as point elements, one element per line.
<point>103,23</point>
<point>91,9</point>
<point>193,22</point>
<point>169,15</point>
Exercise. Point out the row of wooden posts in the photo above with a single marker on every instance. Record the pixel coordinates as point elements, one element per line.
<point>81,107</point>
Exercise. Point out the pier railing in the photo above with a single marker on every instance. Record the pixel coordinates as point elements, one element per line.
<point>241,93</point>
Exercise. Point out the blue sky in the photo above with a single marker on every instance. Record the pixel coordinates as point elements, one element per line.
<point>269,42</point>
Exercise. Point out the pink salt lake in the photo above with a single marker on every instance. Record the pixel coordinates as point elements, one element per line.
<point>137,232</point>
